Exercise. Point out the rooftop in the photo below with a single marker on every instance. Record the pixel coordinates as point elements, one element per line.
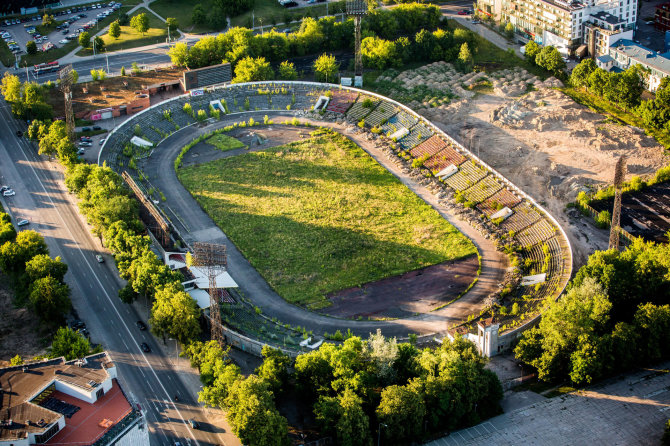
<point>607,18</point>
<point>21,384</point>
<point>642,55</point>
<point>91,421</point>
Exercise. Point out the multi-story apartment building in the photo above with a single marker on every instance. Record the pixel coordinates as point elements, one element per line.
<point>563,23</point>
<point>662,17</point>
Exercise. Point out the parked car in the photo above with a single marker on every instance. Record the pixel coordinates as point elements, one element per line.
<point>99,258</point>
<point>22,222</point>
<point>63,41</point>
<point>85,129</point>
<point>102,141</point>
<point>97,127</point>
<point>463,12</point>
<point>141,325</point>
<point>194,424</point>
<point>86,138</point>
<point>145,347</point>
<point>77,324</point>
<point>81,151</point>
<point>8,193</point>
<point>4,188</point>
<point>85,144</point>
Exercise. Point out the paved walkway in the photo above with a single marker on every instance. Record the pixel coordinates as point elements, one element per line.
<point>200,227</point>
<point>627,410</point>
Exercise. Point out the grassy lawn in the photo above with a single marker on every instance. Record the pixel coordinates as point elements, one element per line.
<point>225,142</point>
<point>6,56</point>
<point>130,38</point>
<point>604,106</point>
<point>264,10</point>
<point>46,29</point>
<point>319,215</point>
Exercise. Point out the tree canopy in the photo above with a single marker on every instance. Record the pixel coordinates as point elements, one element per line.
<point>140,22</point>
<point>70,344</point>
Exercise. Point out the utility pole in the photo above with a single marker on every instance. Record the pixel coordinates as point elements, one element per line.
<point>94,47</point>
<point>107,57</point>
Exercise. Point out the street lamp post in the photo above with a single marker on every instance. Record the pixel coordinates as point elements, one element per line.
<point>379,432</point>
<point>107,57</point>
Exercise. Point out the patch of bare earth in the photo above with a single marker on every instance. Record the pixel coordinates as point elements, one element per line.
<point>418,291</point>
<point>552,148</point>
<point>19,328</point>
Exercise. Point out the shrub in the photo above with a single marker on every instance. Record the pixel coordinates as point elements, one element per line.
<point>188,109</point>
<point>603,219</point>
<point>138,130</point>
<point>202,115</point>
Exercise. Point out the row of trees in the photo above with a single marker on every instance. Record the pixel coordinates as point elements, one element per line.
<point>625,91</point>
<point>27,99</point>
<point>67,343</point>
<point>113,214</point>
<point>24,258</point>
<point>314,36</point>
<point>249,69</point>
<point>606,323</point>
<point>352,389</point>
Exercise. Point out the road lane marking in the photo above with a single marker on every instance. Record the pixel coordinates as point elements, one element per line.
<point>72,237</point>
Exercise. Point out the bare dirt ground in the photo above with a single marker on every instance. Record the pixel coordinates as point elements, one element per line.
<point>19,328</point>
<point>117,90</point>
<point>270,136</point>
<point>418,291</point>
<point>552,148</point>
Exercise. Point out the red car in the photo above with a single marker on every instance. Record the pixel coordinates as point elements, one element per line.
<point>464,12</point>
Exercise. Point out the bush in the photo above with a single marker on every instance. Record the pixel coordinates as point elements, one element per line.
<point>603,219</point>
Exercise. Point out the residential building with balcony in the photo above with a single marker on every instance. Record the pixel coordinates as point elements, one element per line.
<point>625,53</point>
<point>563,23</point>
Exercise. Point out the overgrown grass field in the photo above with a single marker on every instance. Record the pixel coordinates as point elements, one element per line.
<point>225,142</point>
<point>320,215</point>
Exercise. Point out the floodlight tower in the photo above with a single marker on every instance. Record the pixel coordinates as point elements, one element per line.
<point>211,259</point>
<point>619,173</point>
<point>357,9</point>
<point>66,80</point>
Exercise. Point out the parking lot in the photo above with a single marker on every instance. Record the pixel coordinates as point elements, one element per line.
<point>70,23</point>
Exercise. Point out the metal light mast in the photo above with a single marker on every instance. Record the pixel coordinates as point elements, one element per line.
<point>357,9</point>
<point>211,259</point>
<point>619,173</point>
<point>66,80</point>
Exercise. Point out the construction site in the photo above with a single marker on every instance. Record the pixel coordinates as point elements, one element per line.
<point>553,148</point>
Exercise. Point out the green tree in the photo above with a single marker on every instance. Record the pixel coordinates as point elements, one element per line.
<point>123,19</point>
<point>11,87</point>
<point>465,57</point>
<point>123,71</point>
<point>42,266</point>
<point>252,69</point>
<point>7,231</point>
<point>582,312</point>
<point>274,368</point>
<point>353,426</point>
<point>379,53</point>
<point>70,344</point>
<point>179,54</point>
<point>140,23</point>
<point>550,59</point>
<point>199,16</point>
<point>16,360</point>
<point>99,45</point>
<point>115,29</point>
<point>172,25</point>
<point>31,47</point>
<point>531,51</point>
<point>47,19</point>
<point>402,411</point>
<point>287,71</point>
<point>252,413</point>
<point>509,31</point>
<point>326,68</point>
<point>50,299</point>
<point>580,74</point>
<point>175,313</point>
<point>85,39</point>
<point>14,255</point>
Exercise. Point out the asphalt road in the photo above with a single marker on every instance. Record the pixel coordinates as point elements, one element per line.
<point>149,379</point>
<point>153,56</point>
